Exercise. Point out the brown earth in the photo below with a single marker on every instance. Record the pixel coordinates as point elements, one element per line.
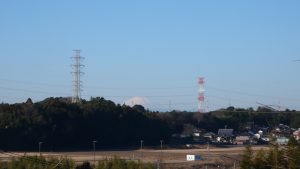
<point>169,159</point>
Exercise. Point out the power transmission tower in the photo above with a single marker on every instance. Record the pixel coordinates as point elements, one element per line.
<point>77,84</point>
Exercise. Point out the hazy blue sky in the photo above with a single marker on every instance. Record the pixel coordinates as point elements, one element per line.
<point>155,49</point>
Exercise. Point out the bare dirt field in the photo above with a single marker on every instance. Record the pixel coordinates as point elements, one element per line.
<point>213,157</point>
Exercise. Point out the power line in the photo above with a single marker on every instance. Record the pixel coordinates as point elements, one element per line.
<point>150,96</point>
<point>33,83</point>
<point>129,96</point>
<point>100,88</point>
<point>29,91</point>
<point>160,88</point>
<point>152,88</point>
<point>149,88</point>
<point>252,94</point>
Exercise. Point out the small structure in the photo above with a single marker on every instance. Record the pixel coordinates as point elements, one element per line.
<point>193,157</point>
<point>282,140</point>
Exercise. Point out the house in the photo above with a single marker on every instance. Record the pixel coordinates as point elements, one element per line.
<point>249,126</point>
<point>197,132</point>
<point>243,139</point>
<point>225,132</point>
<point>198,135</point>
<point>225,136</point>
<point>296,134</point>
<point>209,136</point>
<point>282,131</point>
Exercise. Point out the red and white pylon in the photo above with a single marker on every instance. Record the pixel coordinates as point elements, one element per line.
<point>201,96</point>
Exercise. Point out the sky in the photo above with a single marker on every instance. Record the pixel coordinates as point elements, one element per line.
<point>155,50</point>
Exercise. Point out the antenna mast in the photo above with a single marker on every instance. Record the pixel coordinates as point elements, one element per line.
<point>77,84</point>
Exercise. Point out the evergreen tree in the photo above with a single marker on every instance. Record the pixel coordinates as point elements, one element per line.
<point>260,161</point>
<point>275,157</point>
<point>247,162</point>
<point>293,154</point>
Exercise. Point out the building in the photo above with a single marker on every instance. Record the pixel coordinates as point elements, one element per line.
<point>225,136</point>
<point>225,132</point>
<point>296,134</point>
<point>209,136</point>
<point>282,140</point>
<point>242,139</point>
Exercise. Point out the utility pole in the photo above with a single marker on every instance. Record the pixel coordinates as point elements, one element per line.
<point>161,147</point>
<point>40,148</point>
<point>160,158</point>
<point>142,144</point>
<point>276,159</point>
<point>234,164</point>
<point>208,146</point>
<point>142,148</point>
<point>94,148</point>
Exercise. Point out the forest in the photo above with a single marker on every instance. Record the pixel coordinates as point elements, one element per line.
<point>61,125</point>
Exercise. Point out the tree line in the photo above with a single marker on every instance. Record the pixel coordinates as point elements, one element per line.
<point>61,125</point>
<point>235,118</point>
<point>274,158</point>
